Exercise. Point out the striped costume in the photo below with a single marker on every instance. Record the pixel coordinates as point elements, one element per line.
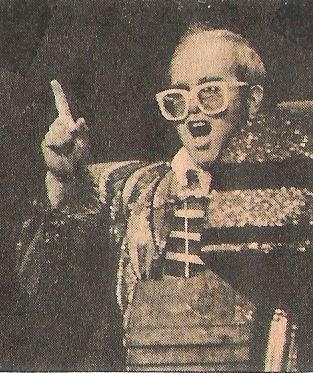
<point>196,275</point>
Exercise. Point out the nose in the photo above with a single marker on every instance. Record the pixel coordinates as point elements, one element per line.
<point>193,104</point>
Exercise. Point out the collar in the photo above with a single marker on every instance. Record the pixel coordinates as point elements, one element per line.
<point>181,163</point>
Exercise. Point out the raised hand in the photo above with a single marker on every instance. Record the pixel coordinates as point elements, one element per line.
<point>65,146</point>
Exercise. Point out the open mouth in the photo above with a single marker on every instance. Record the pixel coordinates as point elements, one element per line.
<point>199,128</point>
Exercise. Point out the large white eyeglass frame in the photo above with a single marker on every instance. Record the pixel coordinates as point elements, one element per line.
<point>193,93</point>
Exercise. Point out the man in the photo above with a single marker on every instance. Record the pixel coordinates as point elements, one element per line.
<point>152,233</point>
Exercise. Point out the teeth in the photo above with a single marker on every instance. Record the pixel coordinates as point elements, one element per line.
<point>200,128</point>
<point>198,124</point>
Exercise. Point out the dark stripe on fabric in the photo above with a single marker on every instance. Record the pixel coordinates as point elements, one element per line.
<point>286,234</point>
<point>194,224</point>
<point>274,174</point>
<point>192,203</point>
<point>177,269</point>
<point>178,245</point>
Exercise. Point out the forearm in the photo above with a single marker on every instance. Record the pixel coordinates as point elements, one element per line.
<point>58,190</point>
<point>53,221</point>
<point>62,272</point>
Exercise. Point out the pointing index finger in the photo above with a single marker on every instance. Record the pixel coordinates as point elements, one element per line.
<point>60,100</point>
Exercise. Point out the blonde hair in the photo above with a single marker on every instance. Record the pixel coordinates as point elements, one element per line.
<point>250,66</point>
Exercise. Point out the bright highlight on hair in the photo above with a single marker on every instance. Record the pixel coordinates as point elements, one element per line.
<point>250,65</point>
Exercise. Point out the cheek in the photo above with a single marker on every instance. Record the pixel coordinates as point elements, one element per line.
<point>236,109</point>
<point>182,131</point>
<point>231,121</point>
<point>223,130</point>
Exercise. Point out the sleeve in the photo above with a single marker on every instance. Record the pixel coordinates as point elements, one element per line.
<point>65,317</point>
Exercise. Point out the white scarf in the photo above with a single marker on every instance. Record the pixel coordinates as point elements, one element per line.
<point>181,163</point>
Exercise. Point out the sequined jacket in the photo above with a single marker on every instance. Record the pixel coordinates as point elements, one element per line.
<point>78,266</point>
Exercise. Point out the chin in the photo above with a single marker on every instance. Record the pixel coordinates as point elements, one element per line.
<point>205,159</point>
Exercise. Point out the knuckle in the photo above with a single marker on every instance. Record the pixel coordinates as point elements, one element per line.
<point>48,140</point>
<point>54,124</point>
<point>58,137</point>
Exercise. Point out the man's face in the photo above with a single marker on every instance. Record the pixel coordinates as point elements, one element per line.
<point>200,60</point>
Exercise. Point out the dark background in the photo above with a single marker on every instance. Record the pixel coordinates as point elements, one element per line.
<point>110,57</point>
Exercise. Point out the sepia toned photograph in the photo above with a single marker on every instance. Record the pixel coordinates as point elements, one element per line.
<point>156,185</point>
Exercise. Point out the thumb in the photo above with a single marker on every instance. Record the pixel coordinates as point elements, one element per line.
<point>80,126</point>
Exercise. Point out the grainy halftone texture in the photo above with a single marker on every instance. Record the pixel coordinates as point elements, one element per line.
<point>111,58</point>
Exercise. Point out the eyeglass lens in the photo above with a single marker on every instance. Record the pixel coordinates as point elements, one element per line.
<point>211,98</point>
<point>174,104</point>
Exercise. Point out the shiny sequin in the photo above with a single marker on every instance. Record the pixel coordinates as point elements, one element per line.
<point>261,207</point>
<point>269,138</point>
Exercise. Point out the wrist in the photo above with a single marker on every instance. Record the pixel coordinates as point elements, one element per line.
<point>59,188</point>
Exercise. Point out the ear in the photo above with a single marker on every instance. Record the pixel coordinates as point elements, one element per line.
<point>254,100</point>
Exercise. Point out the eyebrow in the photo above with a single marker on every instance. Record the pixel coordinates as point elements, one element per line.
<point>180,86</point>
<point>205,79</point>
